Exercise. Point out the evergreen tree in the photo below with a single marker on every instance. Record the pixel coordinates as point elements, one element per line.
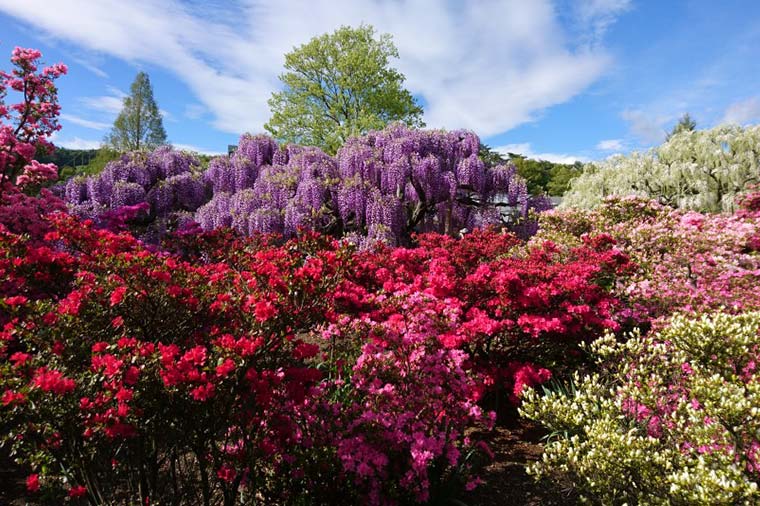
<point>139,125</point>
<point>685,124</point>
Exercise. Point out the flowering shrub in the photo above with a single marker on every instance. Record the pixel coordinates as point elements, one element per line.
<point>516,313</point>
<point>687,261</point>
<point>98,381</point>
<point>400,433</point>
<point>24,128</point>
<point>383,186</point>
<point>670,419</point>
<point>702,170</point>
<point>214,375</point>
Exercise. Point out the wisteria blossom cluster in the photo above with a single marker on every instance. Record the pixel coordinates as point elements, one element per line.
<point>702,170</point>
<point>670,419</point>
<point>156,192</point>
<point>384,186</point>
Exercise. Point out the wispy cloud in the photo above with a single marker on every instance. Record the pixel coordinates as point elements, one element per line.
<point>647,128</point>
<point>77,143</point>
<point>107,104</point>
<point>91,67</point>
<point>194,111</point>
<point>489,68</point>
<point>526,150</point>
<point>94,125</point>
<point>596,16</point>
<point>196,149</point>
<point>166,115</point>
<point>743,112</point>
<point>611,145</point>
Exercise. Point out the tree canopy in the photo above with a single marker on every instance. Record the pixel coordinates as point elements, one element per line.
<point>542,176</point>
<point>139,125</point>
<point>338,86</point>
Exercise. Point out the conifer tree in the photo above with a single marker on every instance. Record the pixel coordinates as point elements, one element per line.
<point>139,125</point>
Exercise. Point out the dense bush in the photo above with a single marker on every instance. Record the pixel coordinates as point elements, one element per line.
<point>282,372</point>
<point>686,261</point>
<point>700,170</point>
<point>669,419</point>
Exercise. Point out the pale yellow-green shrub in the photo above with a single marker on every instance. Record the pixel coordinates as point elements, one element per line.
<point>669,419</point>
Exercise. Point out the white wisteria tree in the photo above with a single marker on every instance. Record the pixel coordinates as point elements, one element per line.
<point>701,170</point>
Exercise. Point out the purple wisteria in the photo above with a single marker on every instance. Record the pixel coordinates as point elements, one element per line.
<point>384,186</point>
<point>157,191</point>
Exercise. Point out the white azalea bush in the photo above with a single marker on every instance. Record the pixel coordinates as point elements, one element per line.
<point>669,419</point>
<point>701,170</point>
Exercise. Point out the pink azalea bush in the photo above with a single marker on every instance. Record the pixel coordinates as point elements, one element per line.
<point>24,129</point>
<point>687,261</point>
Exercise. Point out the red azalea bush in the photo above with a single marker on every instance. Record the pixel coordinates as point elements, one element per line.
<point>233,368</point>
<point>151,371</point>
<point>518,312</point>
<point>143,375</point>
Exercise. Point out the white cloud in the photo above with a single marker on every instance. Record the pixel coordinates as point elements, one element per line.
<point>488,68</point>
<point>107,104</point>
<point>611,145</point>
<point>598,15</point>
<point>77,143</point>
<point>647,128</point>
<point>91,67</point>
<point>743,112</point>
<point>524,149</point>
<point>94,125</point>
<point>194,111</point>
<point>166,115</point>
<point>196,149</point>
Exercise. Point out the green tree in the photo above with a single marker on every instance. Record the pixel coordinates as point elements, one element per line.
<point>491,157</point>
<point>562,176</point>
<point>340,85</point>
<point>139,125</point>
<point>685,124</point>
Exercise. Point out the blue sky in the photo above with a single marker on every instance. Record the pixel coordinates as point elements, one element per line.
<point>561,80</point>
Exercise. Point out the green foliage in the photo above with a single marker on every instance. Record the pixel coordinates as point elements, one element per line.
<point>669,419</point>
<point>685,124</point>
<point>96,161</point>
<point>561,176</point>
<point>139,125</point>
<point>541,176</point>
<point>544,176</point>
<point>700,170</point>
<point>340,85</point>
<point>490,157</point>
<point>63,157</point>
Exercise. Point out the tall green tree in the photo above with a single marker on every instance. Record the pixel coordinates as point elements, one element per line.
<point>340,85</point>
<point>685,124</point>
<point>139,125</point>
